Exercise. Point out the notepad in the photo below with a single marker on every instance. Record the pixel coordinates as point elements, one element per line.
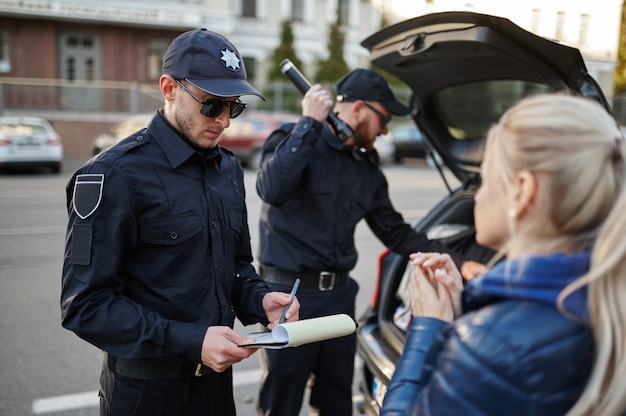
<point>305,331</point>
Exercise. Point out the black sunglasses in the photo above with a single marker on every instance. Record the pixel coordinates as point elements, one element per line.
<point>384,119</point>
<point>213,108</point>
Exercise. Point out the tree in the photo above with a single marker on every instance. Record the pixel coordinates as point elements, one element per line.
<point>285,50</point>
<point>391,79</point>
<point>335,66</point>
<point>620,70</point>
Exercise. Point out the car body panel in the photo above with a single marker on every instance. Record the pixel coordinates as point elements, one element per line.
<point>29,142</point>
<point>464,69</point>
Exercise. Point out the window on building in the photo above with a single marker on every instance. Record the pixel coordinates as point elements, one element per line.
<point>70,68</point>
<point>584,29</point>
<point>248,8</point>
<point>154,59</point>
<point>89,69</point>
<point>250,64</point>
<point>344,10</point>
<point>534,23</point>
<point>297,10</point>
<point>5,60</point>
<point>560,24</point>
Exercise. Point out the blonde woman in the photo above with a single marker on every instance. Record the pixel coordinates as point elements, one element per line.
<point>543,331</point>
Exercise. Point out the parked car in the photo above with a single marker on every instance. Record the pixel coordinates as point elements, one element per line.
<point>29,142</point>
<point>120,130</point>
<point>409,142</point>
<point>464,70</point>
<point>385,148</point>
<point>247,133</point>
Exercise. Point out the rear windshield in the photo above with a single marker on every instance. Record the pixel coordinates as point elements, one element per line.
<point>22,129</point>
<point>468,110</point>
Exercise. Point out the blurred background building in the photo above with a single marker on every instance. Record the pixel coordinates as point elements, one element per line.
<point>84,63</point>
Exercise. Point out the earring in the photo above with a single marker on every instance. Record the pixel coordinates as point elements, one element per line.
<point>512,213</point>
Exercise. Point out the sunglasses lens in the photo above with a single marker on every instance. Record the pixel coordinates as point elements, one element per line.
<point>213,108</point>
<point>236,108</point>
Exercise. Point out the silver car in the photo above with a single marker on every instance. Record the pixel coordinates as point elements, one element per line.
<point>29,142</point>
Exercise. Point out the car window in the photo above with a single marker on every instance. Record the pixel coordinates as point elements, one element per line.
<point>469,110</point>
<point>22,129</point>
<point>407,133</point>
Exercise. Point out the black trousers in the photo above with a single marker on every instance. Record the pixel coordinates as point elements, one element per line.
<point>209,395</point>
<point>327,366</point>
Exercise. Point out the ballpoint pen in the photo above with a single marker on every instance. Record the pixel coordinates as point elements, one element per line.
<point>291,296</point>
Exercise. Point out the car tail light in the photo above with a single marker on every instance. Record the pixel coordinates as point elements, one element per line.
<point>54,140</point>
<point>379,277</point>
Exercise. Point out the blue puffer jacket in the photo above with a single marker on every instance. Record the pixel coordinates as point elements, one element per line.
<point>511,352</point>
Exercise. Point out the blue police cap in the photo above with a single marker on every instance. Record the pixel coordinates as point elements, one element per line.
<point>210,62</point>
<point>366,85</point>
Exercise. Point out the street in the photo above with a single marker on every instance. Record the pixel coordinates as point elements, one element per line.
<point>47,370</point>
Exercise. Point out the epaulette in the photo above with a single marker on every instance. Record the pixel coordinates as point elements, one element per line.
<point>140,138</point>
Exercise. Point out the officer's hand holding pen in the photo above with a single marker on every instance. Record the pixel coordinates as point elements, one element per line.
<point>291,296</point>
<point>274,305</point>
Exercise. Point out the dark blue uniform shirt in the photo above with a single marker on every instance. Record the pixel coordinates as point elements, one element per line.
<point>158,247</point>
<point>315,192</point>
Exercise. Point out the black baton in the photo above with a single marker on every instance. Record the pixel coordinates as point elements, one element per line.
<point>342,130</point>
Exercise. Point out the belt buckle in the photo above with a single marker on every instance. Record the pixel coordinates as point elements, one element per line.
<point>200,371</point>
<point>326,277</point>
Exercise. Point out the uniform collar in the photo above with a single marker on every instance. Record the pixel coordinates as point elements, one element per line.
<point>176,147</point>
<point>357,152</point>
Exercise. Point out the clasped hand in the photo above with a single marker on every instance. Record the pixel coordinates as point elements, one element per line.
<point>436,286</point>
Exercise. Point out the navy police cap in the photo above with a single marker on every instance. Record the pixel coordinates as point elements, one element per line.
<point>210,62</point>
<point>364,84</point>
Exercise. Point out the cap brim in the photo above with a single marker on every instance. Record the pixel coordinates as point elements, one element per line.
<point>226,87</point>
<point>395,108</point>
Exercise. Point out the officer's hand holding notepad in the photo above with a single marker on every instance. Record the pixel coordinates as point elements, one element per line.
<point>305,331</point>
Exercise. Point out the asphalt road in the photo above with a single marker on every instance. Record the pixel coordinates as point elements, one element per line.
<point>46,370</point>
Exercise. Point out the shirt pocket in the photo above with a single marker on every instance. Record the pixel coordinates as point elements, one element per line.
<point>171,230</point>
<point>172,255</point>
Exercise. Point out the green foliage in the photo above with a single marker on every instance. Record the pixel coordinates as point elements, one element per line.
<point>334,67</point>
<point>391,79</point>
<point>285,50</point>
<point>619,74</point>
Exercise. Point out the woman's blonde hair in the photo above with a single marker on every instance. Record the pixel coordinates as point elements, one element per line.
<point>577,145</point>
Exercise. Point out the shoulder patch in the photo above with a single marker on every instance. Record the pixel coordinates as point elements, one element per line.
<point>87,194</point>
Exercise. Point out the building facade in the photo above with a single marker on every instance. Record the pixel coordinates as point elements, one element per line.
<point>101,58</point>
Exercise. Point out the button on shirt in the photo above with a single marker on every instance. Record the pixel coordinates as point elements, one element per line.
<point>166,251</point>
<point>315,191</point>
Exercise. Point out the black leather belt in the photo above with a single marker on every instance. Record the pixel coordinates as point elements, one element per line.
<point>155,369</point>
<point>323,281</point>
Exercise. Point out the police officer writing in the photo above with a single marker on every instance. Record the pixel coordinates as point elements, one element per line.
<point>315,189</point>
<point>158,257</point>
